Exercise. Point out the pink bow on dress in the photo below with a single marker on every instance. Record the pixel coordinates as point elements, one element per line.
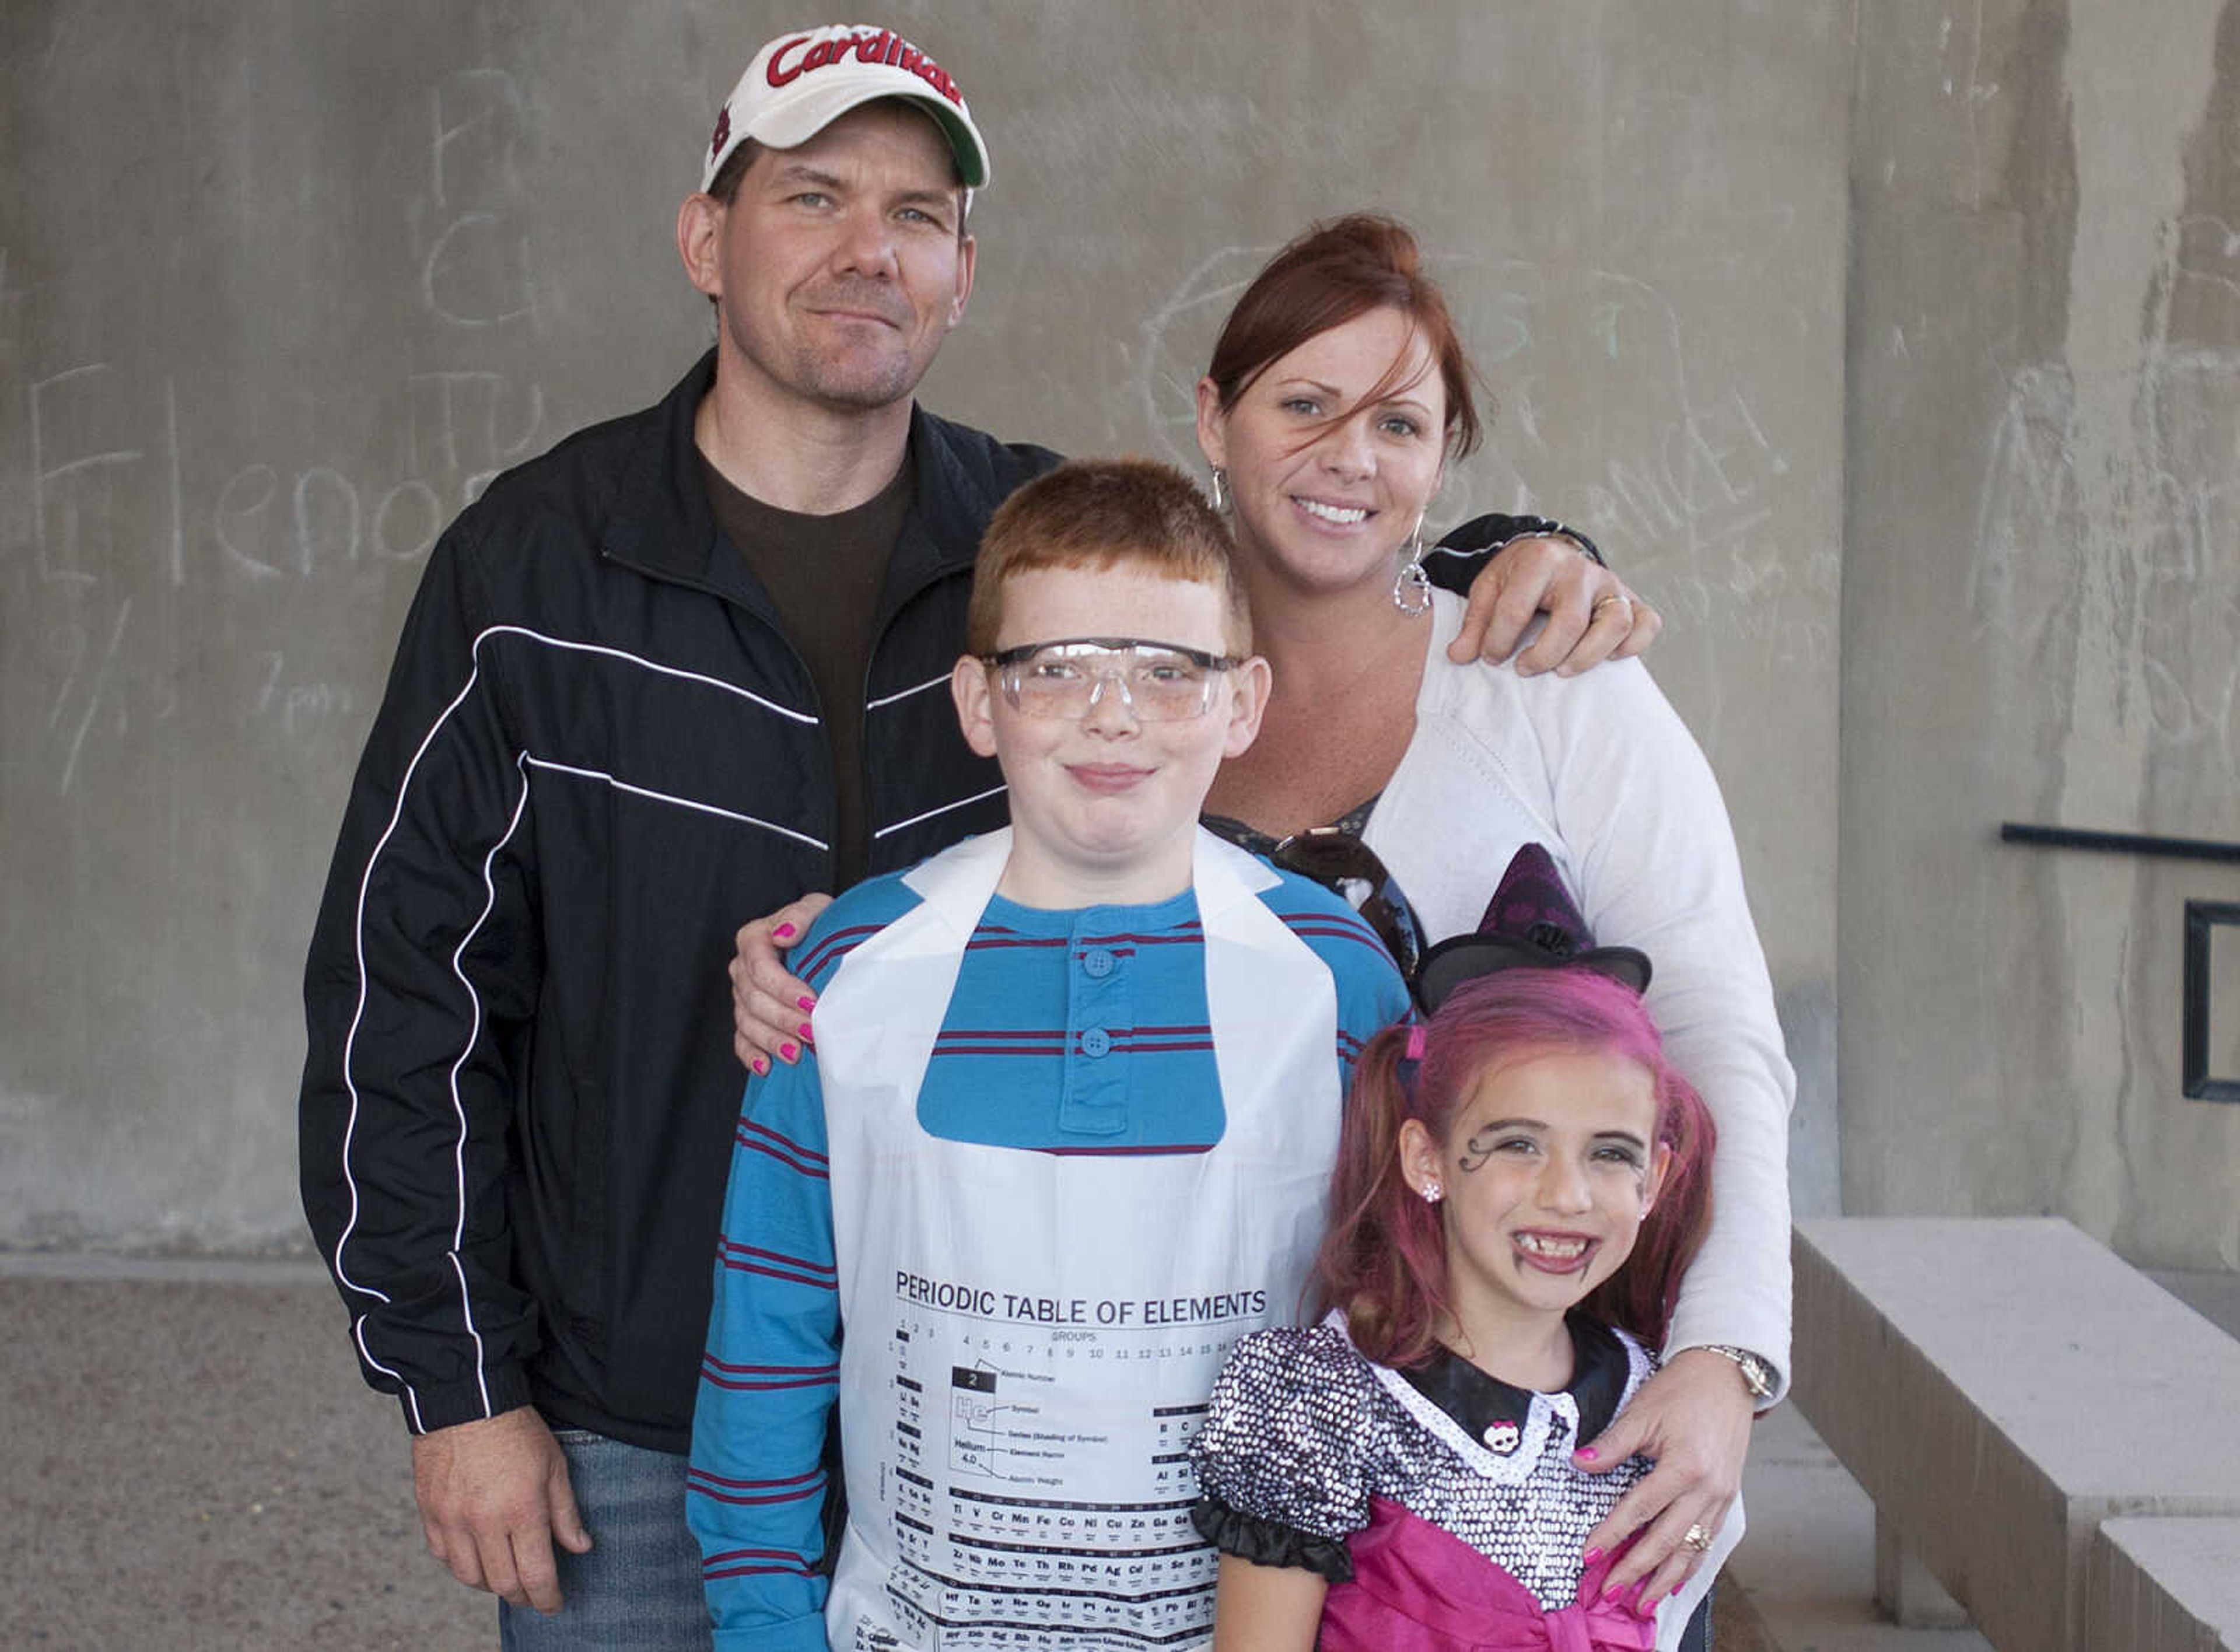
<point>1416,1587</point>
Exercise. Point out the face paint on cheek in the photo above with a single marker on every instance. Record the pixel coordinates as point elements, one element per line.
<point>1477,1150</point>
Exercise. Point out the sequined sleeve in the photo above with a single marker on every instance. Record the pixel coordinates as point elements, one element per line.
<point>1283,1461</point>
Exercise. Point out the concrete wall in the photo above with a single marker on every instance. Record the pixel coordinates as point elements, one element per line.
<point>2041,610</point>
<point>280,286</point>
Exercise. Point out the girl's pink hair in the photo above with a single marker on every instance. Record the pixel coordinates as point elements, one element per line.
<point>1385,1259</point>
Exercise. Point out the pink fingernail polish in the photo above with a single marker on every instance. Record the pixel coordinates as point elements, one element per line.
<point>1586,1454</point>
<point>805,1001</point>
<point>1613,1593</point>
<point>762,1067</point>
<point>802,1029</point>
<point>788,1051</point>
<point>784,932</point>
<point>1590,1557</point>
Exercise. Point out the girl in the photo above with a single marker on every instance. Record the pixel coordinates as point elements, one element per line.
<point>1521,1184</point>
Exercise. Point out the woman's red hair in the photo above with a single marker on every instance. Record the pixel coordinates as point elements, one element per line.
<point>1330,274</point>
<point>1385,1259</point>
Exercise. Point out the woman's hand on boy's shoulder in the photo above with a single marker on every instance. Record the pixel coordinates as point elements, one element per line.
<point>1592,617</point>
<point>770,1008</point>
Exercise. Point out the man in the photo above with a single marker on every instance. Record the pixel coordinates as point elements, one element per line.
<point>671,674</point>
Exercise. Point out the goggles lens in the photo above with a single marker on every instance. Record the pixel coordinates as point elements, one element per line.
<point>1159,682</point>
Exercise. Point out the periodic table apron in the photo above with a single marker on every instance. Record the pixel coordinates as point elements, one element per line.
<point>1030,1338</point>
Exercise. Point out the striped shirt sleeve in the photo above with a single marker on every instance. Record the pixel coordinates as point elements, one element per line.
<point>755,1490</point>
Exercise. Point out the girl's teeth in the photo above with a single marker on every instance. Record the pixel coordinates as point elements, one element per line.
<point>1343,515</point>
<point>1540,1247</point>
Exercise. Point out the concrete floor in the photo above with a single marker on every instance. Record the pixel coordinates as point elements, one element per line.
<point>188,1458</point>
<point>190,1461</point>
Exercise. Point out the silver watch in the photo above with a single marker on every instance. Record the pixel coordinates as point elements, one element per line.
<point>1757,1375</point>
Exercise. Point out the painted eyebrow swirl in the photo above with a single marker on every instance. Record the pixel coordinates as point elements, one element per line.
<point>1479,1148</point>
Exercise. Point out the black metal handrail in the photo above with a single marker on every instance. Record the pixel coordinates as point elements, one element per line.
<point>2183,849</point>
<point>2195,1082</point>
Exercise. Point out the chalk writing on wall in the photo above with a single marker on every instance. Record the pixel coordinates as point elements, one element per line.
<point>2168,553</point>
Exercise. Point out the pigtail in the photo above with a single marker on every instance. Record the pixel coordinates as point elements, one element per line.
<point>1384,1259</point>
<point>1641,1294</point>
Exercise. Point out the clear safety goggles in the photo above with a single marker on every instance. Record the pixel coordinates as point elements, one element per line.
<point>1159,682</point>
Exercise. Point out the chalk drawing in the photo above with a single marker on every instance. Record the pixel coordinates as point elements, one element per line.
<point>493,105</point>
<point>465,415</point>
<point>242,502</point>
<point>55,522</point>
<point>94,692</point>
<point>109,511</point>
<point>276,663</point>
<point>476,271</point>
<point>2162,548</point>
<point>424,521</point>
<point>305,704</point>
<point>482,260</point>
<point>1972,92</point>
<point>327,517</point>
<point>2208,252</point>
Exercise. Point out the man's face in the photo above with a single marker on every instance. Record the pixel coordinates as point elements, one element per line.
<point>839,265</point>
<point>1109,801</point>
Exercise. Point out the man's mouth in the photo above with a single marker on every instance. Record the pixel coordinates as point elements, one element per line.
<point>859,303</point>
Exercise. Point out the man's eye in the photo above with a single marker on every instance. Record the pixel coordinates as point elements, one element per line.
<point>1168,672</point>
<point>813,198</point>
<point>1052,670</point>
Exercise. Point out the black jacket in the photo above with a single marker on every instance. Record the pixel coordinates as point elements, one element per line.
<point>597,756</point>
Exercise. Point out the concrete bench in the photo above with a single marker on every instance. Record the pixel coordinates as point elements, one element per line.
<point>1999,1388</point>
<point>2153,1585</point>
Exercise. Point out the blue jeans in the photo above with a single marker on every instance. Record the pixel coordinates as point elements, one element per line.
<point>638,1590</point>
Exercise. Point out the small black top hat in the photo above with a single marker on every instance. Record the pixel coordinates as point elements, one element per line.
<point>1531,923</point>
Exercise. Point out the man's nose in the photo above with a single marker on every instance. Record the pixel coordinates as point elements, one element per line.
<point>867,248</point>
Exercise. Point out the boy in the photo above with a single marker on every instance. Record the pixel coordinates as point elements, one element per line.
<point>1065,1135</point>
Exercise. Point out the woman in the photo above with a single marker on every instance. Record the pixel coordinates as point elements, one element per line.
<point>1337,393</point>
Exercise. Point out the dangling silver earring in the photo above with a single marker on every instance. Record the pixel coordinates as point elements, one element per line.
<point>1412,587</point>
<point>1219,498</point>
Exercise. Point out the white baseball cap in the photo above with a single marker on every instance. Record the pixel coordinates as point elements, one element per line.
<point>801,82</point>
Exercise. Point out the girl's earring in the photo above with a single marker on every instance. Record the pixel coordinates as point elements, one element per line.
<point>1412,587</point>
<point>1218,498</point>
<point>1431,1193</point>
